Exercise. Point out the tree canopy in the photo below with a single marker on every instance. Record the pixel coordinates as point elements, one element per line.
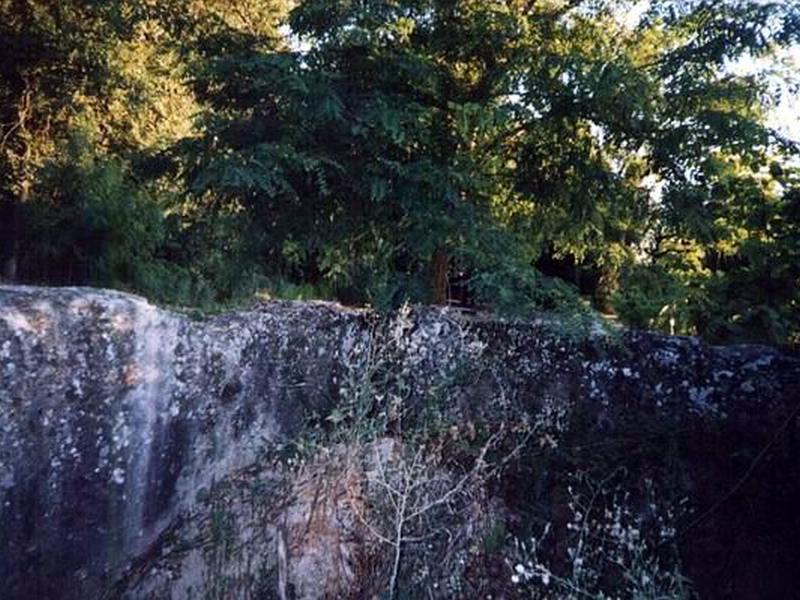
<point>515,154</point>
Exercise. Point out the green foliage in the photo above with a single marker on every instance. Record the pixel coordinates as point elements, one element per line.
<point>650,298</point>
<point>412,150</point>
<point>91,222</point>
<point>733,276</point>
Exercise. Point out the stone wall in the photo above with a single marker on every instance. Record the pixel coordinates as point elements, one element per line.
<point>119,419</point>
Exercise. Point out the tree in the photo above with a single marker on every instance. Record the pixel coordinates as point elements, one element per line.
<point>44,62</point>
<point>516,153</point>
<point>93,95</point>
<point>420,137</point>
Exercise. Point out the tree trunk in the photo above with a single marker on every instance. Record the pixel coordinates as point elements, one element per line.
<point>11,241</point>
<point>10,266</point>
<point>440,285</point>
<point>607,285</point>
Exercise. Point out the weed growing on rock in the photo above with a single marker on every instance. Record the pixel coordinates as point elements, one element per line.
<point>415,468</point>
<point>614,548</point>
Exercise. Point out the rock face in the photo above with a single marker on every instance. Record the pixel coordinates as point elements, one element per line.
<point>121,423</point>
<point>114,414</point>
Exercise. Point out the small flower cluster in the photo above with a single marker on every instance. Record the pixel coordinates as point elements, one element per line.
<point>614,551</point>
<point>551,422</point>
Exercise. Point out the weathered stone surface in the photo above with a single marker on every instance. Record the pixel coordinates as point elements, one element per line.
<point>118,420</point>
<point>113,414</point>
